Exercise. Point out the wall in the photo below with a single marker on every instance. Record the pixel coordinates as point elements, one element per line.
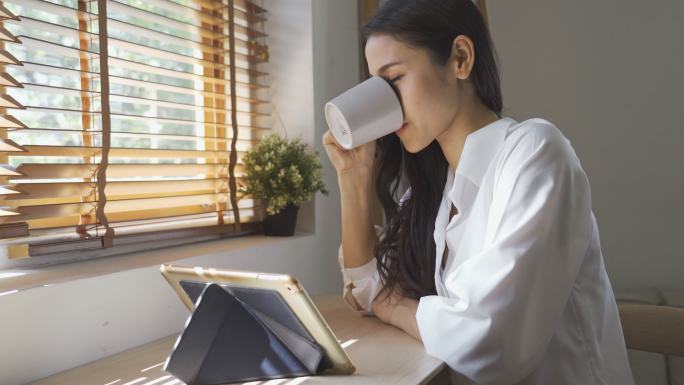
<point>314,56</point>
<point>609,75</point>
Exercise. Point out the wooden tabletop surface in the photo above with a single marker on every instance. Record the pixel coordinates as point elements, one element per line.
<point>381,353</point>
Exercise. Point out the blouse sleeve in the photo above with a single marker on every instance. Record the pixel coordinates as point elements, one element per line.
<point>362,284</point>
<point>505,302</point>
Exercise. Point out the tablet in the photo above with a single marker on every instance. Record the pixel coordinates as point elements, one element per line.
<point>279,296</point>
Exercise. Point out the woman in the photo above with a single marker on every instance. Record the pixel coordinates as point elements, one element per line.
<point>491,257</point>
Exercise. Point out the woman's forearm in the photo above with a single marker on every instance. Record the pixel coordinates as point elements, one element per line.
<point>398,311</point>
<point>404,317</point>
<point>358,236</point>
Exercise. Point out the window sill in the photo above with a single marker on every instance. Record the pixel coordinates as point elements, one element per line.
<point>15,280</point>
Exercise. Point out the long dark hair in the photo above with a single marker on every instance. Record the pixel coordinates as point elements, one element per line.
<point>405,254</point>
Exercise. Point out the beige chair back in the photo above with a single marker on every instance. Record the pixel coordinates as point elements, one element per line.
<point>653,328</point>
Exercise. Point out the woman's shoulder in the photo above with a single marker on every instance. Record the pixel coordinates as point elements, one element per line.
<point>534,132</point>
<point>539,140</point>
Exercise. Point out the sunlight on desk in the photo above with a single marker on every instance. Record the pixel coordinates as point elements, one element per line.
<point>347,343</point>
<point>8,292</point>
<point>365,339</point>
<point>11,274</point>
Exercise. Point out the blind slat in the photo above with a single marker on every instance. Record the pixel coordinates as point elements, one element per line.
<point>8,81</point>
<point>6,14</point>
<point>144,211</point>
<point>245,114</point>
<point>192,91</point>
<point>244,103</point>
<point>123,152</point>
<point>53,48</point>
<point>95,93</point>
<point>129,117</point>
<point>8,170</point>
<point>183,75</point>
<point>10,122</point>
<point>8,145</point>
<point>77,192</point>
<point>6,101</point>
<point>30,24</point>
<point>4,215</point>
<point>7,36</point>
<point>245,133</point>
<point>122,170</point>
<point>8,58</point>
<point>70,214</point>
<point>243,88</point>
<point>8,191</point>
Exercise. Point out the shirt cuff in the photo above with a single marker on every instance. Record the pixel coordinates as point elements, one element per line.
<point>422,314</point>
<point>361,272</point>
<point>427,316</point>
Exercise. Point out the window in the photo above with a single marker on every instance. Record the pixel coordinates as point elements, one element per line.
<point>123,122</point>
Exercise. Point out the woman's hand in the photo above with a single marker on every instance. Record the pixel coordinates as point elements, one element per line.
<point>398,311</point>
<point>359,158</point>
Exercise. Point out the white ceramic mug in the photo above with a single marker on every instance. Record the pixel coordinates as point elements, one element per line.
<point>366,112</point>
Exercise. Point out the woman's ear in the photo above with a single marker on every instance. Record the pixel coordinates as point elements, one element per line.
<point>462,57</point>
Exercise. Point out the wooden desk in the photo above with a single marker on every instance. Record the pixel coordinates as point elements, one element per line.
<point>381,353</point>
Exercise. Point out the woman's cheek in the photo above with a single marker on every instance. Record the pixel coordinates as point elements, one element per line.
<point>406,101</point>
<point>402,98</point>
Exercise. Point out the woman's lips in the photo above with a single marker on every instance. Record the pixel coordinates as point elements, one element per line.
<point>401,129</point>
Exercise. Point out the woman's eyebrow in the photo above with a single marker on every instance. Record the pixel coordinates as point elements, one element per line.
<point>387,66</point>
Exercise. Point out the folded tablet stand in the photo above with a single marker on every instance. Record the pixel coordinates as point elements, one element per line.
<point>226,340</point>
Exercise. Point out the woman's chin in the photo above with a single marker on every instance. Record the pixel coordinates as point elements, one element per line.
<point>411,146</point>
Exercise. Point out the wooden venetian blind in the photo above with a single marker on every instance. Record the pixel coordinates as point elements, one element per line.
<point>125,120</point>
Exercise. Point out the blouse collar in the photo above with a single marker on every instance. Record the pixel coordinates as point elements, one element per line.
<point>480,148</point>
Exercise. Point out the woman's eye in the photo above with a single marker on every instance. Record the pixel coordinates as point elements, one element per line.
<point>396,78</point>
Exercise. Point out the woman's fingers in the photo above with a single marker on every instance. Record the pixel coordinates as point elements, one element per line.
<point>330,144</point>
<point>335,153</point>
<point>342,158</point>
<point>329,138</point>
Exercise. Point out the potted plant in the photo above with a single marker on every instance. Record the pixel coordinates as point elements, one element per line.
<point>285,174</point>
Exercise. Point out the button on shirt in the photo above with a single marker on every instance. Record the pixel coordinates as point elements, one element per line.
<point>524,297</point>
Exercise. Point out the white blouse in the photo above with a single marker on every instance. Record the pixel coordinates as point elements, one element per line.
<point>524,297</point>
